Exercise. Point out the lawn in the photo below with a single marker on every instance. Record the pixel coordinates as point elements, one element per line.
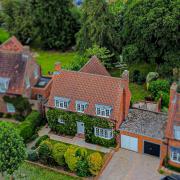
<point>138,92</point>
<point>31,172</point>
<point>4,35</point>
<point>47,59</point>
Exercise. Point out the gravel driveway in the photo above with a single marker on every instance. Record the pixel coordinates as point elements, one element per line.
<point>128,165</point>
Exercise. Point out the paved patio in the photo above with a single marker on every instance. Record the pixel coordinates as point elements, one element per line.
<point>75,140</point>
<point>128,165</point>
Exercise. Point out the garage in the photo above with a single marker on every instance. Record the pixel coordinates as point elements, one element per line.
<point>130,143</point>
<point>152,148</point>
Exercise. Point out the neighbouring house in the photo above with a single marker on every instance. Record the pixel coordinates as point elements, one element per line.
<point>172,132</point>
<point>89,102</point>
<point>19,73</point>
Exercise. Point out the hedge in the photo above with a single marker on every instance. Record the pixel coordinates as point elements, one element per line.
<point>28,127</point>
<point>70,126</point>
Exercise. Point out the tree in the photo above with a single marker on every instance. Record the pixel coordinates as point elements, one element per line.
<point>12,149</point>
<point>18,19</point>
<point>96,26</point>
<point>56,24</point>
<point>150,31</point>
<point>102,53</point>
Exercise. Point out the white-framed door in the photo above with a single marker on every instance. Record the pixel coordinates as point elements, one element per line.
<point>130,143</point>
<point>80,128</point>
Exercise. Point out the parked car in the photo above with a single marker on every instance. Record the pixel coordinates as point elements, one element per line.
<point>172,177</point>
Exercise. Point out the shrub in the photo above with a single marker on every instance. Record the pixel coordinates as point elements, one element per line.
<point>28,127</point>
<point>159,85</point>
<point>164,97</point>
<point>45,151</point>
<point>41,139</point>
<point>83,168</point>
<point>95,163</point>
<point>138,77</point>
<point>58,153</point>
<point>8,115</point>
<point>70,158</point>
<point>81,153</point>
<point>32,155</point>
<point>1,115</point>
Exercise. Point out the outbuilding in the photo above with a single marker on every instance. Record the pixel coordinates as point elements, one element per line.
<point>143,132</point>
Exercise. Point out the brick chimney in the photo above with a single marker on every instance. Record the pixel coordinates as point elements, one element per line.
<point>57,68</point>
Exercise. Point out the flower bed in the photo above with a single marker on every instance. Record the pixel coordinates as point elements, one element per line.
<point>80,161</point>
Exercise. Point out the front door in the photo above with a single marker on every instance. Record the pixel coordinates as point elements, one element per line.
<point>80,127</point>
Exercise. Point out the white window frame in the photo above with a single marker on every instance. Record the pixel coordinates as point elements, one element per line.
<point>61,103</point>
<point>103,133</point>
<point>81,106</point>
<point>4,83</point>
<point>10,108</point>
<point>103,111</point>
<point>177,132</point>
<point>175,156</point>
<point>61,121</point>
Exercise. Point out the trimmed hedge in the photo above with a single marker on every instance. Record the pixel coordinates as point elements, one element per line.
<point>70,126</point>
<point>28,127</point>
<point>41,139</point>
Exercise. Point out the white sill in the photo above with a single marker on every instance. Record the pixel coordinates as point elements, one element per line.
<point>175,161</point>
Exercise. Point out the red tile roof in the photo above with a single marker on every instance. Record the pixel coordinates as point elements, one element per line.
<point>12,44</point>
<point>174,112</point>
<point>94,66</point>
<point>91,88</point>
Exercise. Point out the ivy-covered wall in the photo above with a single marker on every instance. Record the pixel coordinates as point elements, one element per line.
<point>70,125</point>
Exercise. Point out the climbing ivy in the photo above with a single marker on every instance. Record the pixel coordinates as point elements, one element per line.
<point>70,127</point>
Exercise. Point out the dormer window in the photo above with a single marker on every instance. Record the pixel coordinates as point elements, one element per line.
<point>81,106</point>
<point>104,111</point>
<point>177,132</point>
<point>27,82</point>
<point>4,83</point>
<point>61,102</point>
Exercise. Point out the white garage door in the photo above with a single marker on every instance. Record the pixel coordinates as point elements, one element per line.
<point>129,142</point>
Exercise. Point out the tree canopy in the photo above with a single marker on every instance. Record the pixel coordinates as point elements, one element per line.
<point>150,31</point>
<point>96,26</point>
<point>12,149</point>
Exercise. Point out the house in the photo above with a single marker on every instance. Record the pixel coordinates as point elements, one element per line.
<point>91,92</point>
<point>18,72</point>
<point>172,132</point>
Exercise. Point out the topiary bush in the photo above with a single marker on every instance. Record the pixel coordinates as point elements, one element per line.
<point>95,163</point>
<point>58,153</point>
<point>83,168</point>
<point>45,152</point>
<point>33,155</point>
<point>81,153</point>
<point>41,139</point>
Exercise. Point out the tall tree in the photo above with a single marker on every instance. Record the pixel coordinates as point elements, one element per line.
<point>96,26</point>
<point>150,31</point>
<point>12,149</point>
<point>18,19</point>
<point>56,23</point>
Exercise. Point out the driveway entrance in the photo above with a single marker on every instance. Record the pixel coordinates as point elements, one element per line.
<point>128,165</point>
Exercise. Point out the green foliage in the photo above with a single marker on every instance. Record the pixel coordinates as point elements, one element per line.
<point>164,97</point>
<point>95,163</point>
<point>4,35</point>
<point>152,76</point>
<point>58,153</point>
<point>159,85</point>
<point>82,153</point>
<point>18,18</point>
<point>96,26</point>
<point>149,30</point>
<point>21,104</point>
<point>102,53</point>
<point>12,149</point>
<point>138,77</point>
<point>55,23</point>
<point>83,168</point>
<point>32,155</point>
<point>70,126</point>
<point>45,151</point>
<point>27,128</point>
<point>41,139</point>
<point>71,159</point>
